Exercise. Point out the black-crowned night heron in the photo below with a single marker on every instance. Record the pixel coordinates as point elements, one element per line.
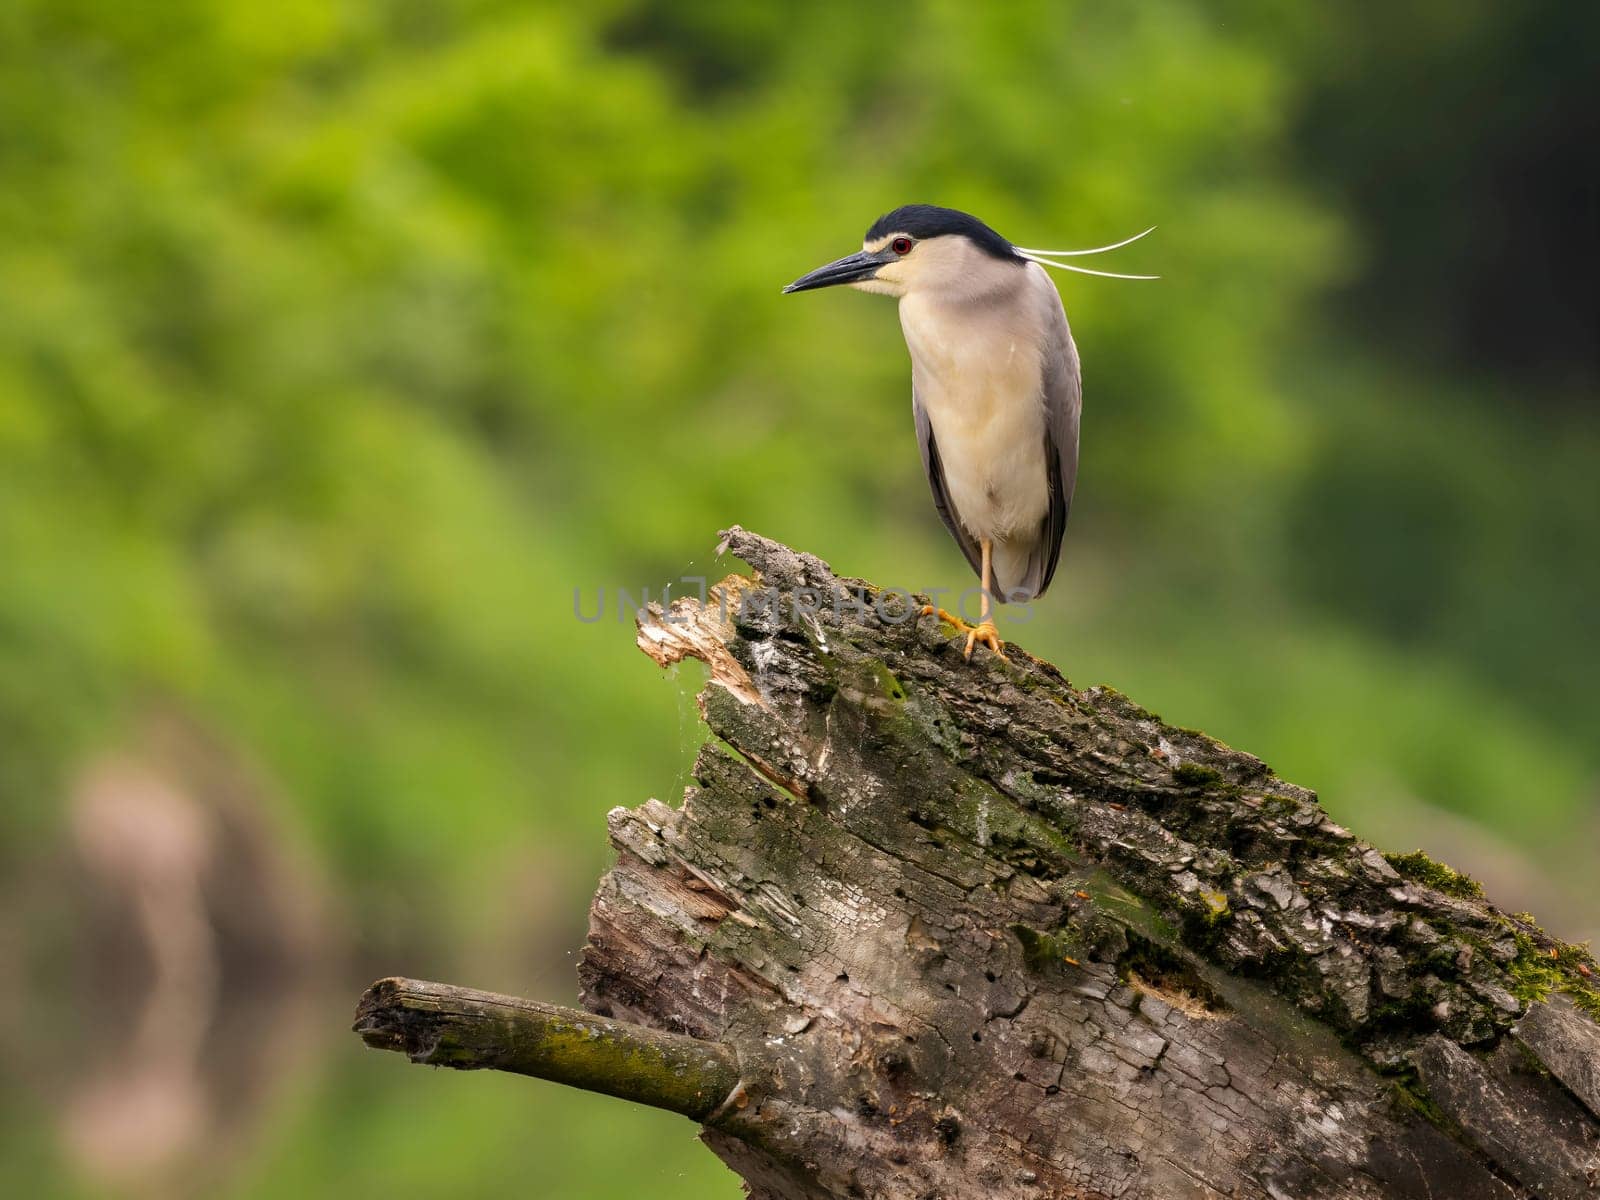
<point>994,388</point>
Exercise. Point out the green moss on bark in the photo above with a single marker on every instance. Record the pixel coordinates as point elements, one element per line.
<point>1196,774</point>
<point>1419,868</point>
<point>1538,970</point>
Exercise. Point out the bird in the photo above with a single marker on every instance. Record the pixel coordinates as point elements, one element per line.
<point>996,389</point>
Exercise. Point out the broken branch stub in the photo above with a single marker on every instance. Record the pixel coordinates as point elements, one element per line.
<point>442,1025</point>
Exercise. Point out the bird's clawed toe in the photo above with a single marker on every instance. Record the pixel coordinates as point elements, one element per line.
<point>986,633</point>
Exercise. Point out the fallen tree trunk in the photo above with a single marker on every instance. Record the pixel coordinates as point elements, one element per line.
<point>965,931</point>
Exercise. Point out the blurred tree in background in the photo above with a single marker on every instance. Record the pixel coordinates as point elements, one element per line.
<point>341,343</point>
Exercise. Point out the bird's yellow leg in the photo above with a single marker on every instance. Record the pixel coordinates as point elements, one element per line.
<point>985,630</point>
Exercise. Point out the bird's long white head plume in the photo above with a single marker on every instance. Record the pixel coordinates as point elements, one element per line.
<point>1046,258</point>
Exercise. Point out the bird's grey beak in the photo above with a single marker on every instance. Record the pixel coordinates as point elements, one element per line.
<point>849,269</point>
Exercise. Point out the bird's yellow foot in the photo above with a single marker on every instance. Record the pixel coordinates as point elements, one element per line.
<point>984,632</point>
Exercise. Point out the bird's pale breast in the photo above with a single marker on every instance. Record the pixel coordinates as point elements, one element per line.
<point>977,369</point>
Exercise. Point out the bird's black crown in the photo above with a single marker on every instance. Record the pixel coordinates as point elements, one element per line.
<point>929,220</point>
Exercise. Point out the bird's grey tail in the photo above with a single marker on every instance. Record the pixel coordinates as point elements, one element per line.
<point>1019,568</point>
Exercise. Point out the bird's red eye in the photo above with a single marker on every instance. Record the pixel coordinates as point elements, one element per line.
<point>901,245</point>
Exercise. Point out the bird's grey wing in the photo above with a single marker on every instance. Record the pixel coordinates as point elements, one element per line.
<point>935,473</point>
<point>1063,404</point>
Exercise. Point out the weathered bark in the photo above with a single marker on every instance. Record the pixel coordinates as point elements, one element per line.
<point>970,932</point>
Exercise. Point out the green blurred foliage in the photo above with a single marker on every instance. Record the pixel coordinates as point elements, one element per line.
<point>340,343</point>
